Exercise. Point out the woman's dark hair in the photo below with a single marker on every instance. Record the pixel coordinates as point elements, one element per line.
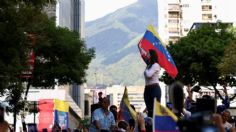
<point>153,57</point>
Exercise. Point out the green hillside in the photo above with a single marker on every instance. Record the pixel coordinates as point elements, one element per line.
<point>115,38</point>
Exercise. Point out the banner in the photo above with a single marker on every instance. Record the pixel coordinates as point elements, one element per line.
<point>45,107</point>
<point>61,110</point>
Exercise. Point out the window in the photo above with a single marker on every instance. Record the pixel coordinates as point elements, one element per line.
<point>186,29</point>
<point>174,30</point>
<point>173,21</point>
<point>206,16</point>
<point>206,0</point>
<point>206,7</point>
<point>173,15</point>
<point>174,7</point>
<point>185,5</point>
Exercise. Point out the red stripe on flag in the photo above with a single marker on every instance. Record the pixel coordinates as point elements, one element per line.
<point>162,60</point>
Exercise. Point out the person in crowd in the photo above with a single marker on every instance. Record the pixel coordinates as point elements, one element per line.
<point>220,109</point>
<point>113,109</point>
<point>189,100</point>
<point>97,105</point>
<point>140,120</point>
<point>141,123</point>
<point>176,95</point>
<point>99,96</point>
<point>122,126</point>
<point>148,124</point>
<point>56,127</point>
<point>225,118</point>
<point>152,88</point>
<point>225,99</point>
<point>102,118</point>
<point>4,126</point>
<point>217,120</point>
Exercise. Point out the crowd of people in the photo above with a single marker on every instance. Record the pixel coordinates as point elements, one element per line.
<point>192,115</point>
<point>105,118</point>
<point>186,109</point>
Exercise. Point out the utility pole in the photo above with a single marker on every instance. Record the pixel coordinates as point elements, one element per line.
<point>94,90</point>
<point>95,74</point>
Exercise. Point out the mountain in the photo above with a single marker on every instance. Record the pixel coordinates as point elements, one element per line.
<point>115,38</point>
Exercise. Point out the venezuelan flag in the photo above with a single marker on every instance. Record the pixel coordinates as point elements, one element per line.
<point>163,119</point>
<point>151,40</point>
<point>126,112</point>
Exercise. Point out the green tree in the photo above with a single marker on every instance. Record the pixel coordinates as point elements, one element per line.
<point>227,66</point>
<point>198,54</point>
<point>61,54</point>
<point>16,20</point>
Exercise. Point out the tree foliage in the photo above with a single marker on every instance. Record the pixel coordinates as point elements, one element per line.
<point>60,53</point>
<point>228,63</point>
<point>198,54</point>
<point>17,20</point>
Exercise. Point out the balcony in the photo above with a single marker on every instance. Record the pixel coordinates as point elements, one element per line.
<point>206,1</point>
<point>207,17</point>
<point>206,7</point>
<point>174,16</point>
<point>174,8</point>
<point>174,32</point>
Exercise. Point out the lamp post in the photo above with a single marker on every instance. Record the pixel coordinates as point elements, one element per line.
<point>28,73</point>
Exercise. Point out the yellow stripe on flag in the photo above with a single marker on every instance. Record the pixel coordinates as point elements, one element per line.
<point>163,111</point>
<point>127,103</point>
<point>152,29</point>
<point>61,105</point>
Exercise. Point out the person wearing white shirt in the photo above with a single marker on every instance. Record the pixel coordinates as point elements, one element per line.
<point>152,88</point>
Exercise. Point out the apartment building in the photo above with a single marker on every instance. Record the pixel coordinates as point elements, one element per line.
<point>176,17</point>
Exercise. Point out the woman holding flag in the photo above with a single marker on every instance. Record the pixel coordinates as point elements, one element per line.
<point>155,56</point>
<point>152,88</point>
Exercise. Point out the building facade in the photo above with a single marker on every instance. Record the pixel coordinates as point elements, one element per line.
<point>176,17</point>
<point>69,14</point>
<point>115,94</point>
<point>135,94</point>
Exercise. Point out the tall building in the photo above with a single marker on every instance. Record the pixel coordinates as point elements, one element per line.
<point>78,17</point>
<point>70,14</point>
<point>176,17</point>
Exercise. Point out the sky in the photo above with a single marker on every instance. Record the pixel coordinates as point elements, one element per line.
<point>95,9</point>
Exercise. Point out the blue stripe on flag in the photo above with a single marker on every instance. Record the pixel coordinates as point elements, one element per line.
<point>164,123</point>
<point>157,44</point>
